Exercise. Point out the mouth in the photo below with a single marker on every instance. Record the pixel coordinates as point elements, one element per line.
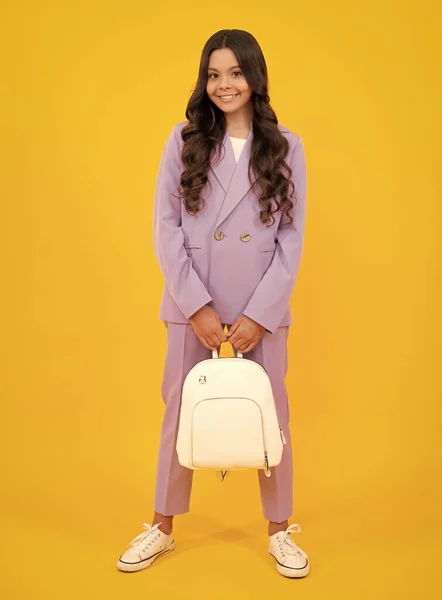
<point>228,98</point>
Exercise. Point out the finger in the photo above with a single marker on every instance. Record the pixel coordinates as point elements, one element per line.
<point>215,341</point>
<point>243,346</point>
<point>235,337</point>
<point>248,348</point>
<point>238,334</point>
<point>221,336</point>
<point>204,342</point>
<point>213,345</point>
<point>238,344</point>
<point>234,327</point>
<point>248,342</point>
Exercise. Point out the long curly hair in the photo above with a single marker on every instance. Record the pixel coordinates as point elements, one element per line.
<point>204,133</point>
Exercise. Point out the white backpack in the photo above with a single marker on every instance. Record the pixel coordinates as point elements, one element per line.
<point>228,418</point>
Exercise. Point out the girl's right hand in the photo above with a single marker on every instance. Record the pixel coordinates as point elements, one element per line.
<point>208,327</point>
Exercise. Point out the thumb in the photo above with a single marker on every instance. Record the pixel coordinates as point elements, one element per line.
<point>221,335</point>
<point>233,328</point>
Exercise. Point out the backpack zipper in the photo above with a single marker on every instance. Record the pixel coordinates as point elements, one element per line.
<point>267,471</point>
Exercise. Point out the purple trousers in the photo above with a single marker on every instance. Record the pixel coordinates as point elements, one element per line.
<point>174,482</point>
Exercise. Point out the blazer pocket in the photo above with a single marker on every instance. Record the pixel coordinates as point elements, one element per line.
<point>270,250</point>
<point>192,247</point>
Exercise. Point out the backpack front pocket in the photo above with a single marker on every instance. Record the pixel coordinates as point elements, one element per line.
<point>227,433</point>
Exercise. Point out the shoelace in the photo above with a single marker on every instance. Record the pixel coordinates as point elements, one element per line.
<point>290,546</point>
<point>143,538</point>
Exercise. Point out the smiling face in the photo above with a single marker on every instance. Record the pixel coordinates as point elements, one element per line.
<point>226,85</point>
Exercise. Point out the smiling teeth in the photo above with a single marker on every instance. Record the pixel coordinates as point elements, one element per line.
<point>227,97</point>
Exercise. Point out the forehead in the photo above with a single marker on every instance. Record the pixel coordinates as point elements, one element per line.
<point>222,59</point>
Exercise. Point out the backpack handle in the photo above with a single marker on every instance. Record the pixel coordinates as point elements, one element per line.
<point>215,354</point>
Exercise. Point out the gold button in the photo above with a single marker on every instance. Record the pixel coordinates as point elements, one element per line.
<point>219,235</point>
<point>245,237</point>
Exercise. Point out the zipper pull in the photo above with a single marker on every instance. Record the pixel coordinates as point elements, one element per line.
<point>267,471</point>
<point>284,441</point>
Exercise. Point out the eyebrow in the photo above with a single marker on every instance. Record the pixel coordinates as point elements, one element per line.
<point>234,67</point>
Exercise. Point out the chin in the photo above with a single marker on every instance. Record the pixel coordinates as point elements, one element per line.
<point>228,107</point>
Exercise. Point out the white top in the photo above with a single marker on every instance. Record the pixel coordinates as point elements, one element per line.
<point>238,145</point>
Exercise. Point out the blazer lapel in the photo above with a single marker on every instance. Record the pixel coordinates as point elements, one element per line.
<point>226,165</point>
<point>233,176</point>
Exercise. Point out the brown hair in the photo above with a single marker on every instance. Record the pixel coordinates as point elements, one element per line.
<point>207,126</point>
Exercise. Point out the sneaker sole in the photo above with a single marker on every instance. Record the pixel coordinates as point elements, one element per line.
<point>290,572</point>
<point>143,564</point>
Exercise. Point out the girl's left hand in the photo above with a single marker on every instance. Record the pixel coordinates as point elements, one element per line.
<point>245,333</point>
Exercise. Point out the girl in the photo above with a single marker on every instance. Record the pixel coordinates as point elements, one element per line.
<point>228,239</point>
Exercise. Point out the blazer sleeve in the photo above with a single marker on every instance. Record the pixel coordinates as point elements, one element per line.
<point>181,279</point>
<point>271,298</point>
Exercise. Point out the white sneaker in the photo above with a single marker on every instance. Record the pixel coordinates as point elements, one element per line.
<point>291,561</point>
<point>145,548</point>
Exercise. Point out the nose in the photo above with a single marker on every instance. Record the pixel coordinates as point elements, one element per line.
<point>224,85</point>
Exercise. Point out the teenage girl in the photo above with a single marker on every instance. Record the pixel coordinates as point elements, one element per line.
<point>229,222</point>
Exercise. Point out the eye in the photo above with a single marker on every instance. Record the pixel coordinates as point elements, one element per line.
<point>215,75</point>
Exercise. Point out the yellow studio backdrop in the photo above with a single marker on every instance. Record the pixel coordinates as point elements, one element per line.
<point>90,93</point>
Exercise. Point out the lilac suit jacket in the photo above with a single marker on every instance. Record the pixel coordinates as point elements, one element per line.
<point>226,257</point>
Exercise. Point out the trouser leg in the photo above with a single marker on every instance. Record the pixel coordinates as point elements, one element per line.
<point>173,481</point>
<point>277,490</point>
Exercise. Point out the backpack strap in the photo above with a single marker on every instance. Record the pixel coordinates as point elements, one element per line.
<point>215,354</point>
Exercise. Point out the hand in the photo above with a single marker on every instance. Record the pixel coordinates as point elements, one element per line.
<point>245,333</point>
<point>208,328</point>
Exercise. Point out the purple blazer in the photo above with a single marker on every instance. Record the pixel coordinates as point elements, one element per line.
<point>226,257</point>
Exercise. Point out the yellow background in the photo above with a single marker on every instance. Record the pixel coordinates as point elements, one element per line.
<point>90,92</point>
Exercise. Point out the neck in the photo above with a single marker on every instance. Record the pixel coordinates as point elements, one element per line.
<point>240,122</point>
